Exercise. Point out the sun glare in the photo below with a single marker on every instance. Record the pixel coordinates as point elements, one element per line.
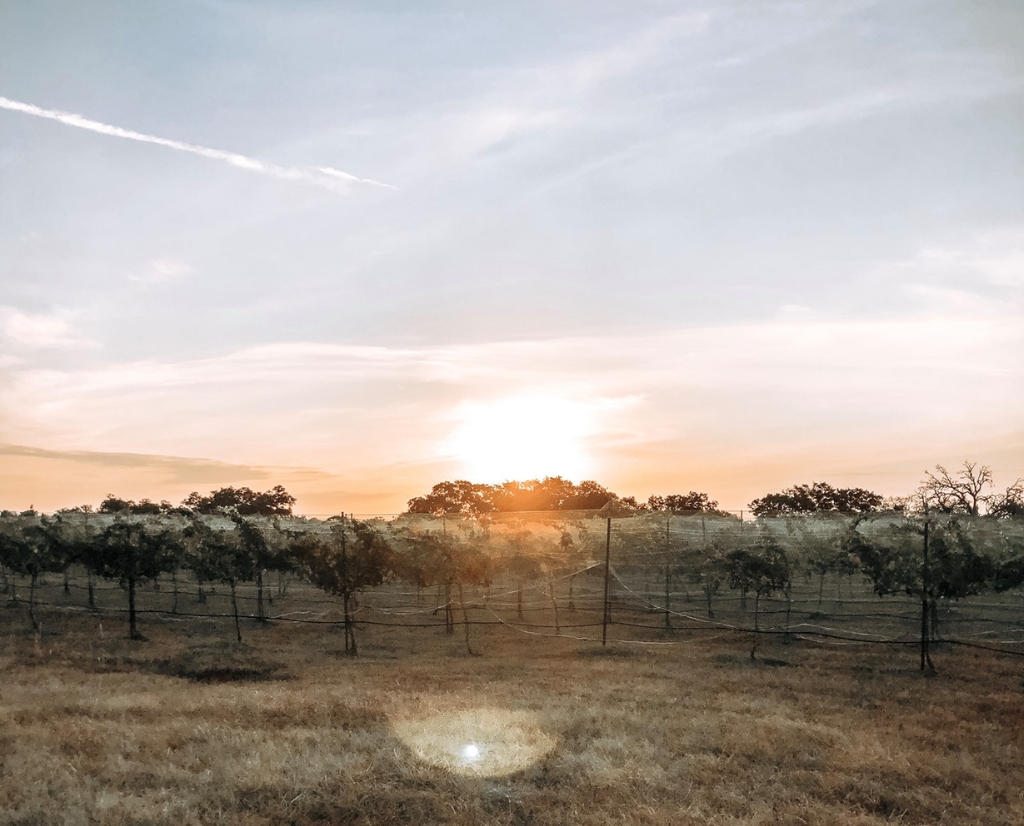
<point>474,742</point>
<point>523,437</point>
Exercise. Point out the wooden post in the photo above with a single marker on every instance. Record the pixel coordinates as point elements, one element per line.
<point>925,655</point>
<point>607,566</point>
<point>668,572</point>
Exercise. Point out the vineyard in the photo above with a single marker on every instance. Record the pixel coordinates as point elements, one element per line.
<point>516,670</point>
<point>645,579</point>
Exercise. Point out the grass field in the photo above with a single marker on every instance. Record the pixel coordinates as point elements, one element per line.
<point>191,728</point>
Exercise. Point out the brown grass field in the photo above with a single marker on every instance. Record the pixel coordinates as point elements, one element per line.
<point>191,728</point>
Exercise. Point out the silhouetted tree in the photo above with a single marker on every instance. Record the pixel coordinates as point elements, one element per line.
<point>244,501</point>
<point>962,492</point>
<point>548,494</point>
<point>144,507</point>
<point>1009,503</point>
<point>460,497</point>
<point>818,497</point>
<point>692,502</point>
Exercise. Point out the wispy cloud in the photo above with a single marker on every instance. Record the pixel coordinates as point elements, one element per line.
<point>38,329</point>
<point>324,176</point>
<point>176,467</point>
<point>783,381</point>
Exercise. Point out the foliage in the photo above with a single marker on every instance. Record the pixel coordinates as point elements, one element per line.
<point>962,492</point>
<point>351,556</point>
<point>1009,503</point>
<point>348,558</point>
<point>222,555</point>
<point>132,551</point>
<point>144,507</point>
<point>818,497</point>
<point>245,501</point>
<point>692,502</point>
<point>30,547</point>
<point>438,558</point>
<point>762,568</point>
<point>955,568</point>
<point>459,496</point>
<point>552,493</point>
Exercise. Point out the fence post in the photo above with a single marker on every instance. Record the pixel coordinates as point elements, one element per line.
<point>668,571</point>
<point>607,563</point>
<point>925,656</point>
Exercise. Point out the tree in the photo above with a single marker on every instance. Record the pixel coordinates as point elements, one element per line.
<point>349,558</point>
<point>934,559</point>
<point>521,564</point>
<point>278,556</point>
<point>73,541</point>
<point>131,552</point>
<point>29,548</point>
<point>824,557</point>
<point>245,501</point>
<point>762,568</point>
<point>705,568</point>
<point>254,542</point>
<point>962,492</point>
<point>818,497</point>
<point>552,493</point>
<point>222,556</point>
<point>443,558</point>
<point>692,502</point>
<point>459,496</point>
<point>1010,503</point>
<point>144,507</point>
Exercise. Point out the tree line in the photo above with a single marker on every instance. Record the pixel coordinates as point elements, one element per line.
<point>968,490</point>
<point>553,493</point>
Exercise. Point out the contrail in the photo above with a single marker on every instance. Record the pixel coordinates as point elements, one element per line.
<point>323,176</point>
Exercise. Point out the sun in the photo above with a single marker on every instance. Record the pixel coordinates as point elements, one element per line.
<point>522,437</point>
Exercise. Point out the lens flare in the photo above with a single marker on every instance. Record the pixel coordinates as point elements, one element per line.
<point>479,742</point>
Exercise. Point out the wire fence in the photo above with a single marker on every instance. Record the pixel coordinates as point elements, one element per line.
<point>567,574</point>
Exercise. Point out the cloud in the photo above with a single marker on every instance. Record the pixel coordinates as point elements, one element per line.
<point>174,468</point>
<point>783,383</point>
<point>162,270</point>
<point>321,176</point>
<point>553,96</point>
<point>39,330</point>
<point>991,257</point>
<point>794,394</point>
<point>51,479</point>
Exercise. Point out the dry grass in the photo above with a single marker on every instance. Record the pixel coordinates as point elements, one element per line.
<point>285,730</point>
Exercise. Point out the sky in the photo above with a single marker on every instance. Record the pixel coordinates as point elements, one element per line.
<point>361,248</point>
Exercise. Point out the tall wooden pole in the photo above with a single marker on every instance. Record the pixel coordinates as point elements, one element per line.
<point>607,568</point>
<point>668,572</point>
<point>925,656</point>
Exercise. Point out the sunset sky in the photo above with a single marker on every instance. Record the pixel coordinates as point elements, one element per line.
<point>359,248</point>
